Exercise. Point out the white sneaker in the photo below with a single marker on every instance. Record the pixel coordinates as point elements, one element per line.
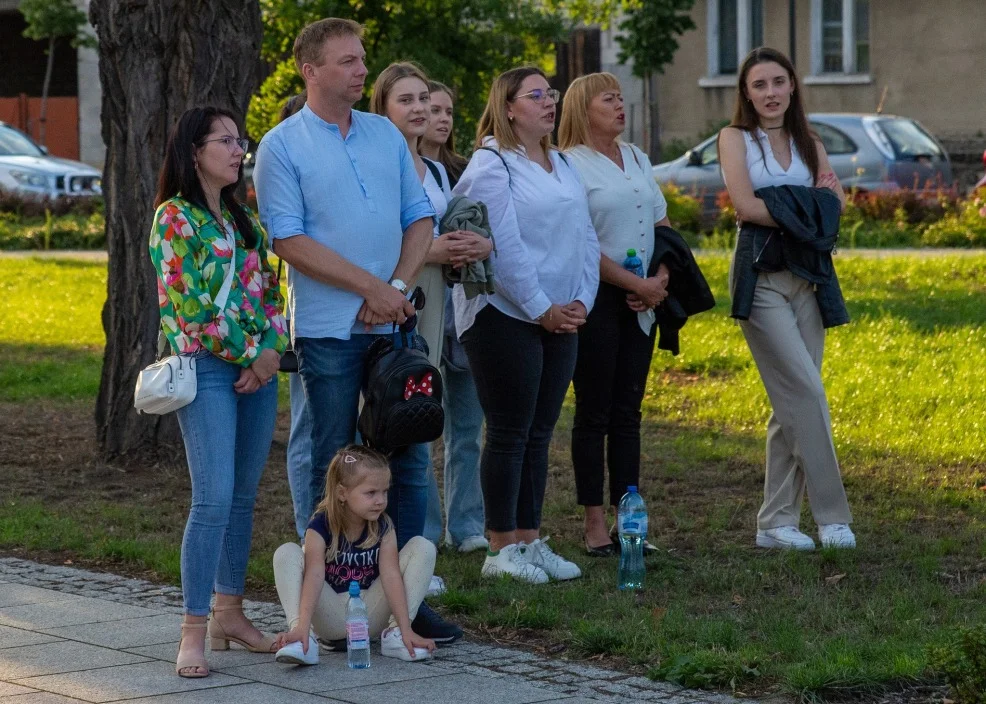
<point>551,562</point>
<point>436,587</point>
<point>294,654</point>
<point>392,646</point>
<point>474,542</point>
<point>836,535</point>
<point>785,538</point>
<point>512,560</point>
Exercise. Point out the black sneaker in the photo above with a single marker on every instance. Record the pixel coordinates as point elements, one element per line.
<point>335,646</point>
<point>428,624</point>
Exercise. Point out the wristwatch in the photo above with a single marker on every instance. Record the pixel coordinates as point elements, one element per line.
<point>399,285</point>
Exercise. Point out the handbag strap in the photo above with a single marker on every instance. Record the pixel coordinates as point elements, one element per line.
<point>228,281</point>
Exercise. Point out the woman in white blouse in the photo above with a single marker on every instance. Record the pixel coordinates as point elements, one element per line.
<point>521,340</point>
<point>616,343</point>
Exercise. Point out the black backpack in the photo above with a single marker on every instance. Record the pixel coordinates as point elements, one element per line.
<point>402,393</point>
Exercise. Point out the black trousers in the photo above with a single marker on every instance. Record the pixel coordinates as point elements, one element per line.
<point>522,374</point>
<point>610,380</point>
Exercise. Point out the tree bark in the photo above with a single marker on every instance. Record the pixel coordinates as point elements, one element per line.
<point>157,58</point>
<point>43,117</point>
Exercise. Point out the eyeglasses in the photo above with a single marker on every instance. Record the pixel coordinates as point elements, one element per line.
<point>538,95</point>
<point>231,142</point>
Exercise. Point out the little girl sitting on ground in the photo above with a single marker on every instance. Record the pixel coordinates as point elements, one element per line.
<point>351,538</point>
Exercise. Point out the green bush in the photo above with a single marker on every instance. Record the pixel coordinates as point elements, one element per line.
<point>684,211</point>
<point>963,663</point>
<point>964,228</point>
<point>31,207</point>
<point>51,232</point>
<point>707,669</point>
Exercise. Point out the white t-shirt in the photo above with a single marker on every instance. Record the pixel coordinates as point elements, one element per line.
<point>764,168</point>
<point>546,246</point>
<point>438,193</point>
<point>624,205</point>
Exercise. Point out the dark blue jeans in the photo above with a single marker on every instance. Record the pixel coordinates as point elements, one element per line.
<point>332,374</point>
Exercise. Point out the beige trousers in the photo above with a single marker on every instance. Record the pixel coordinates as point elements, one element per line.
<point>786,337</point>
<point>417,564</point>
<point>431,320</point>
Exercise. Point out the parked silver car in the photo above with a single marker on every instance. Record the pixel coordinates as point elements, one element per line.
<point>867,152</point>
<point>28,170</point>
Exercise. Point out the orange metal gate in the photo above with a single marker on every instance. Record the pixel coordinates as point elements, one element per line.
<point>62,133</point>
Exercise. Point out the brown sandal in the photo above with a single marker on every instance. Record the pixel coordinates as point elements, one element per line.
<point>189,661</point>
<point>219,639</point>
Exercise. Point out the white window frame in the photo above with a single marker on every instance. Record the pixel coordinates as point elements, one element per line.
<point>713,78</point>
<point>848,75</point>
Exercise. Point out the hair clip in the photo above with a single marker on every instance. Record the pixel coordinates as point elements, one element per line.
<point>348,459</point>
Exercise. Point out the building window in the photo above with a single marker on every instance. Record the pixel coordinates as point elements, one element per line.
<point>734,28</point>
<point>840,42</point>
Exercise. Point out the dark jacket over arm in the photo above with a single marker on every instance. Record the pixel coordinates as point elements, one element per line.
<point>688,291</point>
<point>809,229</point>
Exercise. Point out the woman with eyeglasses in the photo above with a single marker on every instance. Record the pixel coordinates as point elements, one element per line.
<point>521,340</point>
<point>220,305</point>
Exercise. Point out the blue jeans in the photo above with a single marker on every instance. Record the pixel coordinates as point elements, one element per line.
<point>227,438</point>
<point>332,373</point>
<point>463,492</point>
<point>300,456</point>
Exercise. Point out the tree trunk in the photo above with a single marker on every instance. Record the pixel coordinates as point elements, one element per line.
<point>43,118</point>
<point>157,58</point>
<point>655,120</point>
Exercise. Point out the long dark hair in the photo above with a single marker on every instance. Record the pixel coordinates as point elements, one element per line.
<point>745,116</point>
<point>178,174</point>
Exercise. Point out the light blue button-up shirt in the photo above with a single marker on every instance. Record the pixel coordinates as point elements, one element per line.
<point>355,196</point>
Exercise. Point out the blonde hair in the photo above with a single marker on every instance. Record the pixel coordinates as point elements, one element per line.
<point>453,162</point>
<point>573,128</point>
<point>386,80</point>
<point>348,469</point>
<point>494,122</point>
<point>310,41</point>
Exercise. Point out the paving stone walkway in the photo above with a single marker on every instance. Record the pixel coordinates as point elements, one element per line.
<point>69,635</point>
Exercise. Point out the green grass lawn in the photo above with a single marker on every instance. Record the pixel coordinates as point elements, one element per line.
<point>908,402</point>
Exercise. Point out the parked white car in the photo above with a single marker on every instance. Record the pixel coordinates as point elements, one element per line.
<point>27,169</point>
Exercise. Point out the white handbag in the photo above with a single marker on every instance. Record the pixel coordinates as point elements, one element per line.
<point>170,383</point>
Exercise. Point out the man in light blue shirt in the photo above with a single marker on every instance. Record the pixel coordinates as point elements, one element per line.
<point>344,206</point>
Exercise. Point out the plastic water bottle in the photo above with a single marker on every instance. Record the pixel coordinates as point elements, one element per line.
<point>357,630</point>
<point>632,523</point>
<point>633,264</point>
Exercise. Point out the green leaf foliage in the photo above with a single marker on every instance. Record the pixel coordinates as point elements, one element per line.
<point>462,43</point>
<point>54,19</point>
<point>649,33</point>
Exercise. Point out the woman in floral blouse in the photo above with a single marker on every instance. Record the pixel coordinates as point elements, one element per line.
<point>199,231</point>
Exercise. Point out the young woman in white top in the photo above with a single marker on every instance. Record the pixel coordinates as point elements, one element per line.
<point>768,144</point>
<point>617,341</point>
<point>401,94</point>
<point>465,523</point>
<point>520,340</point>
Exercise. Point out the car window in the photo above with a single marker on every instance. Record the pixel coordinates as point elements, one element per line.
<point>710,155</point>
<point>14,143</point>
<point>834,141</point>
<point>908,138</point>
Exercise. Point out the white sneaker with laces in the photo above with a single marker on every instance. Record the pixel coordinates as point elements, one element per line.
<point>836,535</point>
<point>294,654</point>
<point>785,538</point>
<point>551,562</point>
<point>392,646</point>
<point>512,560</point>
<point>436,586</point>
<point>474,542</point>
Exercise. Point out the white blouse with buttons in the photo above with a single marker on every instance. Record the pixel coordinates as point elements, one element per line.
<point>624,203</point>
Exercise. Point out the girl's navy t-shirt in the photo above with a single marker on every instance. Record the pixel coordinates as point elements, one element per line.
<point>351,562</point>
